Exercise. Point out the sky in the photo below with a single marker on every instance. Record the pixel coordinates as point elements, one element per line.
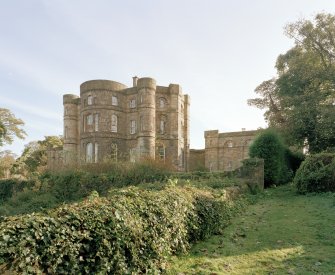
<point>219,51</point>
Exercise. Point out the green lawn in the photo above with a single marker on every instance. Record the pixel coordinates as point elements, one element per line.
<point>283,233</point>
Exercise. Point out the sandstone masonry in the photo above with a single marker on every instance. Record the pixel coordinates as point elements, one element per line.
<point>110,121</point>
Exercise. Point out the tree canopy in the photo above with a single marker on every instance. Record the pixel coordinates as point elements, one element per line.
<point>10,126</point>
<point>300,100</point>
<point>34,156</point>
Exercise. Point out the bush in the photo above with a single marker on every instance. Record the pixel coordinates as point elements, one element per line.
<point>316,174</point>
<point>268,146</point>
<point>131,231</point>
<point>9,187</point>
<point>28,201</point>
<point>294,159</point>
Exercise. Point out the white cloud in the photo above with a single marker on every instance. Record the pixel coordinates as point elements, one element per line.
<point>31,109</point>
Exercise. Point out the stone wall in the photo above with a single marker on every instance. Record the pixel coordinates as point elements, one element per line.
<point>55,159</point>
<point>225,151</point>
<point>197,160</point>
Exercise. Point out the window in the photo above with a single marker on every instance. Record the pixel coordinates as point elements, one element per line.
<point>161,152</point>
<point>96,122</point>
<point>162,102</point>
<point>89,152</point>
<point>132,103</point>
<point>182,158</point>
<point>96,147</point>
<point>89,100</point>
<point>162,126</point>
<point>230,165</point>
<point>88,122</point>
<point>89,119</point>
<point>114,152</point>
<point>182,128</point>
<point>141,123</point>
<point>132,155</point>
<point>66,111</point>
<point>114,124</point>
<point>66,132</point>
<point>230,144</point>
<point>132,126</point>
<point>114,100</point>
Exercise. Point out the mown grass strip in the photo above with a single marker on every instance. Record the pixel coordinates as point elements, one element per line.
<point>284,233</point>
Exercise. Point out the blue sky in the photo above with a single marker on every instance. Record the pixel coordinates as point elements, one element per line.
<point>217,50</point>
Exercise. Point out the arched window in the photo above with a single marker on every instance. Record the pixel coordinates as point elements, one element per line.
<point>132,126</point>
<point>229,144</point>
<point>89,100</point>
<point>114,151</point>
<point>89,152</point>
<point>114,123</point>
<point>114,100</point>
<point>96,149</point>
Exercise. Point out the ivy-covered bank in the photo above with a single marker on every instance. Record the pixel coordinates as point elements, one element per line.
<point>131,230</point>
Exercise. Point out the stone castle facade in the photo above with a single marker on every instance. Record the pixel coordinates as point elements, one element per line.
<point>110,121</point>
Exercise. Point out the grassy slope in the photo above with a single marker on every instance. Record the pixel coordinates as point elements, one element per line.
<point>283,233</point>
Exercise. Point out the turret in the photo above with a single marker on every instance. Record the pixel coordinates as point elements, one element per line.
<point>147,117</point>
<point>71,135</point>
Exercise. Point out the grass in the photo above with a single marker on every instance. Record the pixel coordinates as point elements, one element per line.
<point>282,233</point>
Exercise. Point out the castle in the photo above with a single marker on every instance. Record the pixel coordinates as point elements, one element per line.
<point>110,121</point>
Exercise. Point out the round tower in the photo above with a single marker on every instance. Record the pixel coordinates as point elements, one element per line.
<point>71,135</point>
<point>146,88</point>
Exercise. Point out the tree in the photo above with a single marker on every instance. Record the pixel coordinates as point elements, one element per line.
<point>10,126</point>
<point>34,156</point>
<point>300,100</point>
<point>7,159</point>
<point>269,146</point>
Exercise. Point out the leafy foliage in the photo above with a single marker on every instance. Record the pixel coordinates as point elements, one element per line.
<point>316,174</point>
<point>131,231</point>
<point>300,99</point>
<point>34,157</point>
<point>10,126</point>
<point>268,146</point>
<point>72,186</point>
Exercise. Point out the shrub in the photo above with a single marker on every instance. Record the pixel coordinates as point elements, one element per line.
<point>294,159</point>
<point>268,146</point>
<point>131,231</point>
<point>316,174</point>
<point>9,187</point>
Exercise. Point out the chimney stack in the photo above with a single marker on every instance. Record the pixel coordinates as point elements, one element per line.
<point>135,78</point>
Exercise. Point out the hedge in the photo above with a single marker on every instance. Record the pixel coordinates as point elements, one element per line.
<point>316,174</point>
<point>129,232</point>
